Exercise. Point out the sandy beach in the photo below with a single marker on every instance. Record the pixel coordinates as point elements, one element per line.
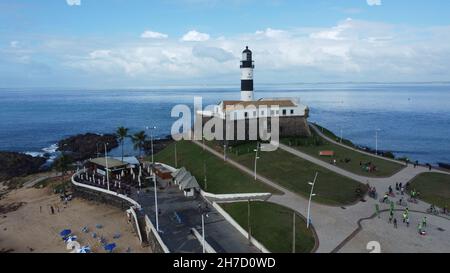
<point>27,225</point>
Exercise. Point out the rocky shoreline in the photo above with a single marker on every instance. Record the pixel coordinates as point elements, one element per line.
<point>77,148</point>
<point>85,146</point>
<point>13,164</point>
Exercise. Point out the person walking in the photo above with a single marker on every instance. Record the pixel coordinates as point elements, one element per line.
<point>395,223</point>
<point>405,216</point>
<point>385,198</point>
<point>377,210</point>
<point>424,222</point>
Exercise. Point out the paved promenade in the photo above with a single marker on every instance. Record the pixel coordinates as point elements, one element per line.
<point>178,215</point>
<point>334,224</point>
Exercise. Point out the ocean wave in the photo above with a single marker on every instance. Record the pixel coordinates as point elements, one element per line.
<point>51,149</point>
<point>50,153</point>
<point>35,154</point>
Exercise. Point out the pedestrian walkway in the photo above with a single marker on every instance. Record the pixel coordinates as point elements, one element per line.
<point>178,215</point>
<point>318,131</point>
<point>333,225</point>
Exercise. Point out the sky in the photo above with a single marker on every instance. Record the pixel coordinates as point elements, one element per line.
<point>142,43</point>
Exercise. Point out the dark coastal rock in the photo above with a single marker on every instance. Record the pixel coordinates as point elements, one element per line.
<point>17,164</point>
<point>81,147</point>
<point>158,145</point>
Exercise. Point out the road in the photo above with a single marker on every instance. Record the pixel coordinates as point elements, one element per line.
<point>179,214</point>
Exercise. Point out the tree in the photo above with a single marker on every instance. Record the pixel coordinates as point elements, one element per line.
<point>62,164</point>
<point>122,133</point>
<point>139,141</point>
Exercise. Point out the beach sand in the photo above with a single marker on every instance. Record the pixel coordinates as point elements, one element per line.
<point>27,225</point>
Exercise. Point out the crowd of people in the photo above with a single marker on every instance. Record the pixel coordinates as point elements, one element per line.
<point>121,183</point>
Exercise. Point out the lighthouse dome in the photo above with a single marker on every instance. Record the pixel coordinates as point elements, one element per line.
<point>247,54</point>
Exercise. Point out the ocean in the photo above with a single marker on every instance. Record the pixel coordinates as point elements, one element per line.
<point>413,119</point>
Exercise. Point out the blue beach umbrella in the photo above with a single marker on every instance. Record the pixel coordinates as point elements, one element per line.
<point>65,232</point>
<point>110,247</point>
<point>69,239</point>
<point>85,249</point>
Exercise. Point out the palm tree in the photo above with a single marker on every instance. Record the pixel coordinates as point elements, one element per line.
<point>62,164</point>
<point>122,133</point>
<point>139,141</point>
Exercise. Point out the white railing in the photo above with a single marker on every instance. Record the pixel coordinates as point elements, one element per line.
<point>151,228</point>
<point>112,193</point>
<point>131,210</point>
<point>149,224</point>
<point>208,247</point>
<point>236,196</point>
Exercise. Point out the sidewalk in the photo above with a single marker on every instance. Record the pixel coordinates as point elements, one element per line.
<point>333,225</point>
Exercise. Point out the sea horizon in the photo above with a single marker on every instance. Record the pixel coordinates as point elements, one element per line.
<point>357,109</point>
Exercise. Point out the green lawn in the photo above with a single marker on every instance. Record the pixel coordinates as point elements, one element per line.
<point>434,188</point>
<point>294,174</point>
<point>222,178</point>
<point>314,144</point>
<point>272,225</point>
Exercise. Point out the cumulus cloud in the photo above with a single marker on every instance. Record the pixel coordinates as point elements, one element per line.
<point>352,50</point>
<point>195,36</point>
<point>73,2</point>
<point>214,53</point>
<point>374,2</point>
<point>148,34</point>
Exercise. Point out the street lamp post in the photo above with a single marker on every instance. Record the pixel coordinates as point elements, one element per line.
<point>151,140</point>
<point>293,234</point>
<point>341,135</point>
<point>311,195</point>
<point>256,158</point>
<point>203,232</point>
<point>156,202</point>
<point>106,163</point>
<point>248,222</point>
<point>224,151</point>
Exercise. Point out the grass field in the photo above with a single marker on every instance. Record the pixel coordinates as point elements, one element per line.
<point>55,183</point>
<point>222,178</point>
<point>272,225</point>
<point>434,188</point>
<point>294,174</point>
<point>314,144</point>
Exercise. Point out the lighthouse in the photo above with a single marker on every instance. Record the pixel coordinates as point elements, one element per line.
<point>247,66</point>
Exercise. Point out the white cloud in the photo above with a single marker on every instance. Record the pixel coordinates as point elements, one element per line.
<point>153,35</point>
<point>374,2</point>
<point>14,44</point>
<point>195,36</point>
<point>352,50</point>
<point>73,2</point>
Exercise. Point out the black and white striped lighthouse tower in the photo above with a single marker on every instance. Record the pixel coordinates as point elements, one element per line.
<point>247,66</point>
